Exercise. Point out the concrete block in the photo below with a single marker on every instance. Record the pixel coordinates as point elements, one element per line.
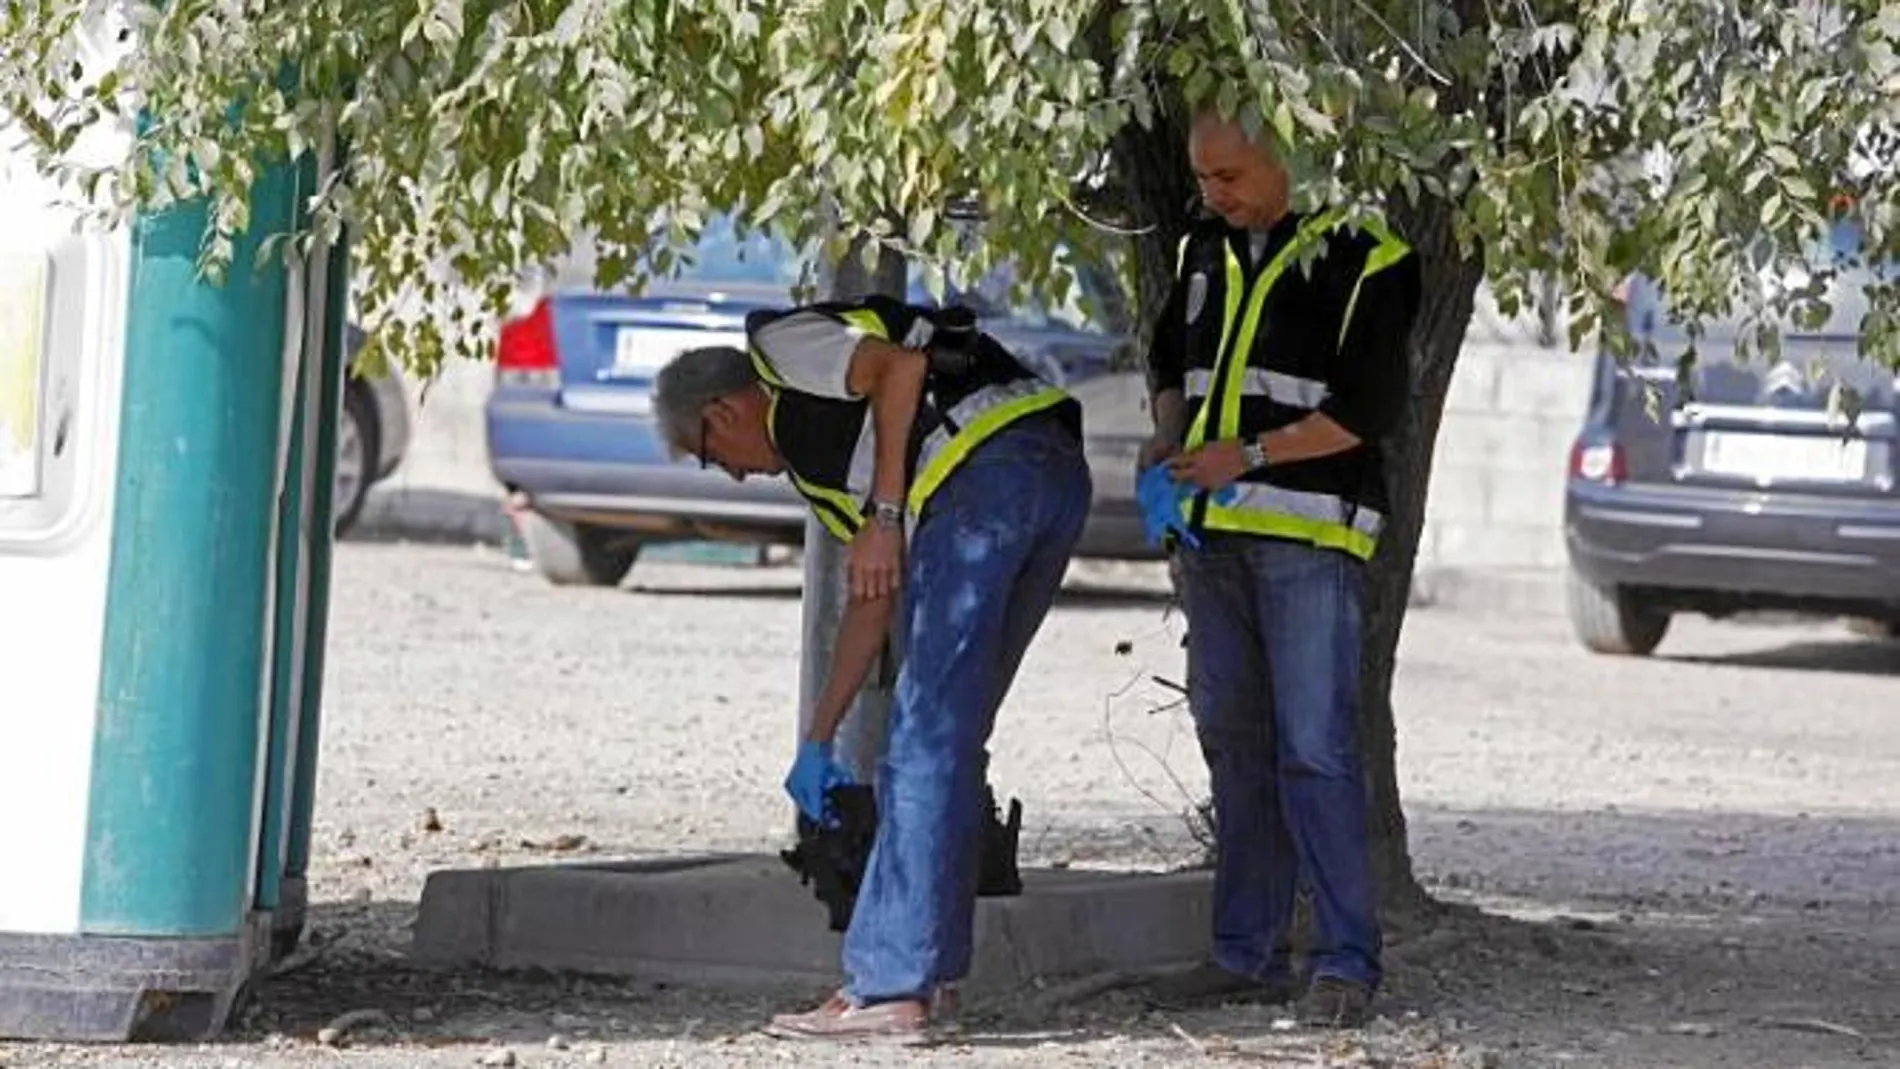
<point>1488,441</point>
<point>1458,493</point>
<point>745,922</point>
<point>1526,498</point>
<point>1474,382</point>
<point>1500,545</point>
<point>1536,382</point>
<point>1513,591</point>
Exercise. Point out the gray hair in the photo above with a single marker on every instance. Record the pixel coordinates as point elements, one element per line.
<point>691,381</point>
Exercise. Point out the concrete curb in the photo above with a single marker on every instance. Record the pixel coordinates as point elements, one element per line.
<point>745,922</point>
<point>1523,591</point>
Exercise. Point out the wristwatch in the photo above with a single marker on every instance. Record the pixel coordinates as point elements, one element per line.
<point>887,514</point>
<point>1254,453</point>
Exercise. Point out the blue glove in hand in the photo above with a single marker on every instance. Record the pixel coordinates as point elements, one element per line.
<point>1160,499</point>
<point>813,773</point>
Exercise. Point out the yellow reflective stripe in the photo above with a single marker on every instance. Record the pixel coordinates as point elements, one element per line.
<point>835,510</point>
<point>1180,253</point>
<point>764,367</point>
<point>1320,533</point>
<point>1230,297</point>
<point>1266,509</point>
<point>988,422</point>
<point>1389,251</point>
<point>868,321</point>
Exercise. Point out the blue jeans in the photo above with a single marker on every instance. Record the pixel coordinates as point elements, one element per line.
<point>986,561</point>
<point>1273,681</point>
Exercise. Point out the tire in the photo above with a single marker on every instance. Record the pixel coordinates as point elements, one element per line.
<point>568,554</point>
<point>1611,620</point>
<point>358,440</point>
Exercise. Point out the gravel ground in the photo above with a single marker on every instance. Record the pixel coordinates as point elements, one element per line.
<point>1686,861</point>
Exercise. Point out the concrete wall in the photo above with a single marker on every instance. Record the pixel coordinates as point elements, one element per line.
<point>443,488</point>
<point>1497,480</point>
<point>1496,501</point>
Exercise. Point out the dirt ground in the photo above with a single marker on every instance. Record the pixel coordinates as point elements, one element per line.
<point>1689,861</point>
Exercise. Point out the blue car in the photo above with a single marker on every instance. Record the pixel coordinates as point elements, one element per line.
<point>570,421</point>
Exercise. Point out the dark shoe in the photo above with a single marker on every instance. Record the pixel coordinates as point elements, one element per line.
<point>1335,1002</point>
<point>902,1023</point>
<point>1208,984</point>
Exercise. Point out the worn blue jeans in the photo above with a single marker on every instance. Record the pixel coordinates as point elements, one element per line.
<point>986,561</point>
<point>1273,679</point>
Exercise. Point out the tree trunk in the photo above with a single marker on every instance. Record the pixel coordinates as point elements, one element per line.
<point>1158,192</point>
<point>1450,282</point>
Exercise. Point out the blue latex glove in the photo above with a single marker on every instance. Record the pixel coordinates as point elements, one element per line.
<point>1162,502</point>
<point>813,773</point>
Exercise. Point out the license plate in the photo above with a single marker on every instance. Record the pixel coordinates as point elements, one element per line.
<point>640,352</point>
<point>1778,457</point>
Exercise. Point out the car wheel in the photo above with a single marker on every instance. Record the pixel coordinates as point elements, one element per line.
<point>1612,620</point>
<point>568,554</point>
<point>356,445</point>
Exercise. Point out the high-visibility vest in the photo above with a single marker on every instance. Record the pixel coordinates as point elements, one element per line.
<point>828,444</point>
<point>1231,389</point>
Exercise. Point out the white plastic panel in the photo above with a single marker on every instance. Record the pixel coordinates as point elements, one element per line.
<point>55,540</point>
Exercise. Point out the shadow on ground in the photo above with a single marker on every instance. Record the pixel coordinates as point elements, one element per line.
<point>1859,655</point>
<point>1599,939</point>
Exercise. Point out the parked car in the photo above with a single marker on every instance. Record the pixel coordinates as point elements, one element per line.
<point>372,436</point>
<point>569,420</point>
<point>1745,494</point>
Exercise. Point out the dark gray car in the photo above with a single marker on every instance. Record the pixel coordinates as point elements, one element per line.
<point>1755,489</point>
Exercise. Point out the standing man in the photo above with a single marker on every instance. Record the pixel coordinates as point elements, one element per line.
<point>913,436</point>
<point>1275,384</point>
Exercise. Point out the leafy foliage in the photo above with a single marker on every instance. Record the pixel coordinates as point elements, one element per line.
<point>1582,140</point>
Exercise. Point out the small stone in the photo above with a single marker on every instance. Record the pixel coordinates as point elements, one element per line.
<point>557,1042</point>
<point>431,820</point>
<point>362,895</point>
<point>597,1056</point>
<point>333,1034</point>
<point>499,1059</point>
<point>1692,1028</point>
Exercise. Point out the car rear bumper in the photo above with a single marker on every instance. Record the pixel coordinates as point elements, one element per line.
<point>611,470</point>
<point>1783,548</point>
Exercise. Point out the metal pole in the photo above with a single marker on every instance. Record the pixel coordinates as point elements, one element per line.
<point>860,741</point>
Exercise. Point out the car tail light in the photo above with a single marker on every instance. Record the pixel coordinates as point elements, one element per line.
<point>525,353</point>
<point>1598,462</point>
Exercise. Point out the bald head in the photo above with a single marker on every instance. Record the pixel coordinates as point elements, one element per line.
<point>1240,177</point>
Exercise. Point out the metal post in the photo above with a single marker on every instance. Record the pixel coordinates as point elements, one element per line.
<point>860,741</point>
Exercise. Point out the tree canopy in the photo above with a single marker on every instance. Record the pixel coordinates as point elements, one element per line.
<point>1697,141</point>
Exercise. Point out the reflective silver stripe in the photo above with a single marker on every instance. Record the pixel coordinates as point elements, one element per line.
<point>1259,382</point>
<point>968,409</point>
<point>1326,508</point>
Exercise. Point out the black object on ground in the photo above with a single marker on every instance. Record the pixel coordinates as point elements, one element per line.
<point>832,860</point>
